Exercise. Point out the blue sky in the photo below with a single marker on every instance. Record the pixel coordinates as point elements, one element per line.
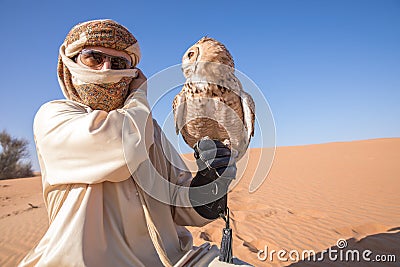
<point>330,70</point>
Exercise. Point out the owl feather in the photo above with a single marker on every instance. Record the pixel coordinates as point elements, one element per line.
<point>212,103</point>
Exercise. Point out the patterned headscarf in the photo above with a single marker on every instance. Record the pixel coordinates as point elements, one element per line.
<point>99,89</point>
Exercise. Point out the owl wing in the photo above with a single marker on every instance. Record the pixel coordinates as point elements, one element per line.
<point>179,109</point>
<point>248,113</point>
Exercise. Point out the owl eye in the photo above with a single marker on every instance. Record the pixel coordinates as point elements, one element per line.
<point>190,54</point>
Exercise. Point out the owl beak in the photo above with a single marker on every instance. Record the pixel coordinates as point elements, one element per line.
<point>187,69</point>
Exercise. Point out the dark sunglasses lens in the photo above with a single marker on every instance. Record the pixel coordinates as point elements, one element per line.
<point>98,57</point>
<point>92,58</point>
<point>118,63</point>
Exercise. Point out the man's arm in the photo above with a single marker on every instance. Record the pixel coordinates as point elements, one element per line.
<point>79,145</point>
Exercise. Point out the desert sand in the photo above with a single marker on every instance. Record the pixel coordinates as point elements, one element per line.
<point>313,196</point>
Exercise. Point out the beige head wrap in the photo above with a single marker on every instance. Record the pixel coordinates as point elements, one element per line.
<point>99,89</point>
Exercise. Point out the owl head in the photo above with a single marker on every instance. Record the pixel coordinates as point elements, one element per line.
<point>206,50</point>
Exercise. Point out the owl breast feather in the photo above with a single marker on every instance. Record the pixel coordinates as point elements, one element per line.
<point>209,110</point>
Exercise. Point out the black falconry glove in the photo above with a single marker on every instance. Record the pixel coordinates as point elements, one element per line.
<point>216,170</point>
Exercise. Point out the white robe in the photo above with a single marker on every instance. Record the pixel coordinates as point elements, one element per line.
<point>95,215</point>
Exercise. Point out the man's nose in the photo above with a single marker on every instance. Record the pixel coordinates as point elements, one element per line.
<point>106,64</point>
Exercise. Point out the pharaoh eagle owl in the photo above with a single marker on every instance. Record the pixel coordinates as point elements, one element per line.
<point>212,103</point>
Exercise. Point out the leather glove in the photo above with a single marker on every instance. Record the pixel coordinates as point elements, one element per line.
<point>216,170</point>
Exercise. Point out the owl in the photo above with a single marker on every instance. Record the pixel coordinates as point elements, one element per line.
<point>212,103</point>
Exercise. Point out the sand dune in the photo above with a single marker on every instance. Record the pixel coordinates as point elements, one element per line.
<point>313,196</point>
<point>22,225</point>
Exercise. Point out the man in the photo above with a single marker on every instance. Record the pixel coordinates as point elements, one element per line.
<point>116,194</point>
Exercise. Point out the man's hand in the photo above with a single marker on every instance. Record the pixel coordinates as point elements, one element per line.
<point>213,158</point>
<point>139,82</point>
<point>209,187</point>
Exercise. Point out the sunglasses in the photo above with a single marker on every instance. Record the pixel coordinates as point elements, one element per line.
<point>95,59</point>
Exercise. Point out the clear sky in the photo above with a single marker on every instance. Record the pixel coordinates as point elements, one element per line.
<point>329,69</point>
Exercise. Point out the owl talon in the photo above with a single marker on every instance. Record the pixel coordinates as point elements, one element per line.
<point>227,142</point>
